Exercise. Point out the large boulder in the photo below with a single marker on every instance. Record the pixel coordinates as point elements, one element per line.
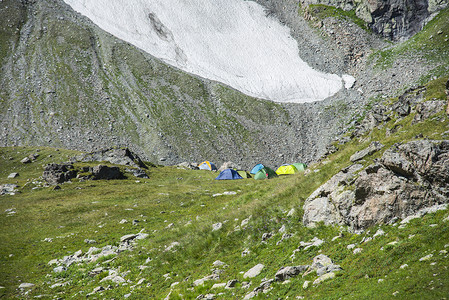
<point>117,156</point>
<point>407,178</point>
<point>105,172</point>
<point>58,173</point>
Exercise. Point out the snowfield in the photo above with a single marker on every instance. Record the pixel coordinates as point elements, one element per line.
<point>230,41</point>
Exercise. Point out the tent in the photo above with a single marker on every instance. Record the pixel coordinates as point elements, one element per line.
<point>206,165</point>
<point>265,173</point>
<point>300,166</point>
<point>244,174</point>
<point>286,170</point>
<point>229,174</point>
<point>256,168</point>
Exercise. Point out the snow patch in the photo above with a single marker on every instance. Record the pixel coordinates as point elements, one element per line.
<point>230,41</point>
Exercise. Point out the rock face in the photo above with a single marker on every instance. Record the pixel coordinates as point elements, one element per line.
<point>392,19</point>
<point>105,172</point>
<point>407,178</point>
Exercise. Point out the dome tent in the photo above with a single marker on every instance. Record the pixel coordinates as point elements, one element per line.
<point>256,168</point>
<point>300,166</point>
<point>228,174</point>
<point>244,174</point>
<point>265,173</point>
<point>206,165</point>
<point>286,170</point>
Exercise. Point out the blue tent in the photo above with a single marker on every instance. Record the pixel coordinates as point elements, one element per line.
<point>229,174</point>
<point>257,168</point>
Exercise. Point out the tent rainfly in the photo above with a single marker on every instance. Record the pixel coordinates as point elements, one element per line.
<point>206,165</point>
<point>286,170</point>
<point>256,168</point>
<point>265,173</point>
<point>228,174</point>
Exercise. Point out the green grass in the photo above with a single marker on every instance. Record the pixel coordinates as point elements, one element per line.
<point>322,12</point>
<point>93,210</point>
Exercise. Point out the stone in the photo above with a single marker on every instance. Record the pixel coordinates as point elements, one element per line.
<point>407,178</point>
<point>291,213</point>
<point>357,250</point>
<point>108,173</point>
<point>305,284</point>
<point>320,261</point>
<point>8,189</point>
<point>229,165</point>
<point>324,277</point>
<point>13,175</point>
<point>201,281</point>
<point>371,149</point>
<point>138,172</point>
<point>266,236</point>
<point>427,257</point>
<point>288,272</point>
<point>231,283</point>
<point>219,285</point>
<point>218,263</point>
<point>117,156</point>
<point>254,271</point>
<point>58,173</point>
<point>114,278</point>
<point>26,160</point>
<point>59,269</point>
<point>127,238</point>
<point>26,285</point>
<point>217,226</point>
<point>426,109</point>
<point>315,242</point>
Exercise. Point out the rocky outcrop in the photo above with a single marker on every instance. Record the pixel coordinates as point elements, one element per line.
<point>58,173</point>
<point>407,178</point>
<point>391,19</point>
<point>116,156</point>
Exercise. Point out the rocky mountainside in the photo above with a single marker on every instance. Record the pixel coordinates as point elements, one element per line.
<point>67,83</point>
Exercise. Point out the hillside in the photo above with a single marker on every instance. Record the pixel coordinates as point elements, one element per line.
<point>180,233</point>
<point>67,83</point>
<point>368,218</point>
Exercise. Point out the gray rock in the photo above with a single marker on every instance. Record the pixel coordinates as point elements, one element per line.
<point>217,226</point>
<point>127,238</point>
<point>13,175</point>
<point>58,173</point>
<point>108,173</point>
<point>266,236</point>
<point>117,156</point>
<point>231,283</point>
<point>201,281</point>
<point>372,148</point>
<point>406,179</point>
<point>26,160</point>
<point>139,173</point>
<point>254,271</point>
<point>8,189</point>
<point>425,110</point>
<point>26,285</point>
<point>288,272</point>
<point>59,269</point>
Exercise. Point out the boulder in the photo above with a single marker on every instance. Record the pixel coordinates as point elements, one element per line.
<point>406,179</point>
<point>117,156</point>
<point>13,175</point>
<point>229,165</point>
<point>288,272</point>
<point>254,271</point>
<point>8,189</point>
<point>58,173</point>
<point>105,172</point>
<point>426,109</point>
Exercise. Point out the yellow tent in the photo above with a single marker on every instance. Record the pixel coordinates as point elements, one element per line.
<point>286,169</point>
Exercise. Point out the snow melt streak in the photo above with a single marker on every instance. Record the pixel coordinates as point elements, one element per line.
<point>231,41</point>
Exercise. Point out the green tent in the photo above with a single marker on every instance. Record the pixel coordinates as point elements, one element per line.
<point>244,174</point>
<point>300,166</point>
<point>265,173</point>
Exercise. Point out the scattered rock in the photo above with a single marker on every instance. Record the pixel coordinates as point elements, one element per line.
<point>266,236</point>
<point>26,285</point>
<point>231,283</point>
<point>26,160</point>
<point>219,285</point>
<point>108,173</point>
<point>13,175</point>
<point>288,272</point>
<point>217,226</point>
<point>58,173</point>
<point>116,156</point>
<point>316,242</point>
<point>306,284</point>
<point>427,257</point>
<point>8,189</point>
<point>254,271</point>
<point>59,269</point>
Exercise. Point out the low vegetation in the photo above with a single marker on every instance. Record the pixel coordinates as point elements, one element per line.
<point>40,224</point>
